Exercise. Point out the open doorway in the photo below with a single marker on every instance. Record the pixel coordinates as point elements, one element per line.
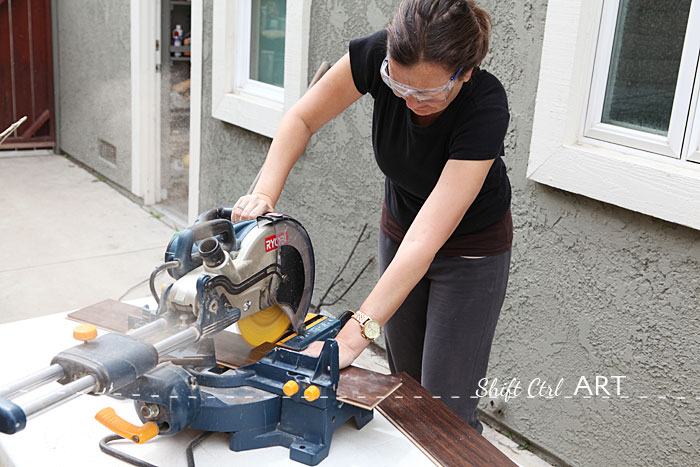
<point>176,21</point>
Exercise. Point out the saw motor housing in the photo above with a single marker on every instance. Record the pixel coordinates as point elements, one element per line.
<point>263,268</point>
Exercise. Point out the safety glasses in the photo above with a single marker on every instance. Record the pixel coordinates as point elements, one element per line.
<point>426,96</point>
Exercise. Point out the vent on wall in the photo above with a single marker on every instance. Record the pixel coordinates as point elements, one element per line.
<point>107,151</point>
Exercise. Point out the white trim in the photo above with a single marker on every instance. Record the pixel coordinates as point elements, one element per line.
<point>254,105</point>
<point>145,101</point>
<point>195,110</point>
<point>560,156</point>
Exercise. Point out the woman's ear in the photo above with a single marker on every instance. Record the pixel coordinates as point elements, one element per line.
<point>467,75</point>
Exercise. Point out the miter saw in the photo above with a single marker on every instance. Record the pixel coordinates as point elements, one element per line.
<point>258,274</point>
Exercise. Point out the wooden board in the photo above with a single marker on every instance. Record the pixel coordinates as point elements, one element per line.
<point>357,386</point>
<point>436,430</point>
<point>109,315</point>
<point>365,388</point>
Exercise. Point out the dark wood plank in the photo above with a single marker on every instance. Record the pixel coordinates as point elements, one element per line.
<point>38,123</point>
<point>357,386</point>
<point>6,69</point>
<point>22,45</point>
<point>11,143</point>
<point>436,429</point>
<point>42,64</point>
<point>365,388</point>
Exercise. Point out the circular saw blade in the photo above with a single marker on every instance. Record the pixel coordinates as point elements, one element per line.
<point>266,325</point>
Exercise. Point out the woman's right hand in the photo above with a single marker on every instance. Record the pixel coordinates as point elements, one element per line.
<point>251,206</point>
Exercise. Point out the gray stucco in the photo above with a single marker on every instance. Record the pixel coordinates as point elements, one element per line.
<point>94,82</point>
<point>594,289</point>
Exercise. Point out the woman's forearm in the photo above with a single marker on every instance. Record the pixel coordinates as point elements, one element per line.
<point>406,269</point>
<point>288,145</point>
<point>409,265</point>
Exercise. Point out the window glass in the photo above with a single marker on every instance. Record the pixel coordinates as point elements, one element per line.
<point>267,41</point>
<point>644,66</point>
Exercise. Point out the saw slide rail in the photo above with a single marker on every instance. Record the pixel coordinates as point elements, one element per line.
<point>97,356</point>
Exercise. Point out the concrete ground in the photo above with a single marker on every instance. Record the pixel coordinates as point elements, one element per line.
<point>70,240</point>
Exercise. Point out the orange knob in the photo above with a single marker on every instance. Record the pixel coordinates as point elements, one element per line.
<point>290,388</point>
<point>312,393</point>
<point>85,332</point>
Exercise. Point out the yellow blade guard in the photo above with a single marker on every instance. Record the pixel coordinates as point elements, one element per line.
<point>266,325</point>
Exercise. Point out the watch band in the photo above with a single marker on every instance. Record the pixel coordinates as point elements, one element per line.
<point>360,317</point>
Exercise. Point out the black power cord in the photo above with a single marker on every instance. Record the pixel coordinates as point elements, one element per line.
<point>120,455</point>
<point>140,463</point>
<point>193,444</point>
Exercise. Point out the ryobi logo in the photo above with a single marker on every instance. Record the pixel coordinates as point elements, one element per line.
<point>272,242</point>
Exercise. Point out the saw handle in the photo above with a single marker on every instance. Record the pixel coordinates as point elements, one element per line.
<point>222,212</point>
<point>138,434</point>
<point>181,246</point>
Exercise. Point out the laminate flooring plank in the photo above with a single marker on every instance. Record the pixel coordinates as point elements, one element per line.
<point>437,430</point>
<point>110,315</point>
<point>365,388</point>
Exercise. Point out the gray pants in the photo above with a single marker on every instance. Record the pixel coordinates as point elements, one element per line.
<point>442,333</point>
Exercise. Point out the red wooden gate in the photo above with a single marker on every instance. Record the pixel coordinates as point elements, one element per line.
<point>26,73</point>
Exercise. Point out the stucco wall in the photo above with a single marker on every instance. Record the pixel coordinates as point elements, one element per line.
<point>595,290</point>
<point>94,82</point>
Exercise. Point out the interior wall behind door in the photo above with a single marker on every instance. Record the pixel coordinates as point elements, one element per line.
<point>94,84</point>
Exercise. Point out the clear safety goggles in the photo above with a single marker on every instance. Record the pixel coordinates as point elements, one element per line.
<point>427,96</point>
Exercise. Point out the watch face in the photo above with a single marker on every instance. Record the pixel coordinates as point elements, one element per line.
<point>372,329</point>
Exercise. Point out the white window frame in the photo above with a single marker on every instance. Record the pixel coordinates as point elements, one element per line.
<point>670,145</point>
<point>563,152</point>
<point>694,140</point>
<point>238,100</point>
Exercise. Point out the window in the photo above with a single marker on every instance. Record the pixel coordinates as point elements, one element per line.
<point>259,60</point>
<point>267,41</point>
<point>616,114</point>
<point>645,68</point>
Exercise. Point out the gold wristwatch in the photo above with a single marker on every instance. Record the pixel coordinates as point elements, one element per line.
<point>370,327</point>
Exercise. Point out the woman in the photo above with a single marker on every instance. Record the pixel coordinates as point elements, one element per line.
<point>446,230</point>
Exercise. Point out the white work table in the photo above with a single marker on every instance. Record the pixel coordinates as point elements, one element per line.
<point>69,434</point>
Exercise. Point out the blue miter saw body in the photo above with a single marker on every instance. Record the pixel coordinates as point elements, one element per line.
<point>258,274</point>
<point>251,402</point>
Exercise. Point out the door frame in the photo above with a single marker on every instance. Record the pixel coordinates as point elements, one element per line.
<point>195,108</point>
<point>145,100</point>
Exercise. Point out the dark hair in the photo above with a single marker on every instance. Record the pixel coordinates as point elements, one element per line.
<point>454,33</point>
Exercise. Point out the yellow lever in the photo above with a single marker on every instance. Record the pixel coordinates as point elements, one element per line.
<point>138,434</point>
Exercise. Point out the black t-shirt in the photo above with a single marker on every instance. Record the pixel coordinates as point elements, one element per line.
<point>412,157</point>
